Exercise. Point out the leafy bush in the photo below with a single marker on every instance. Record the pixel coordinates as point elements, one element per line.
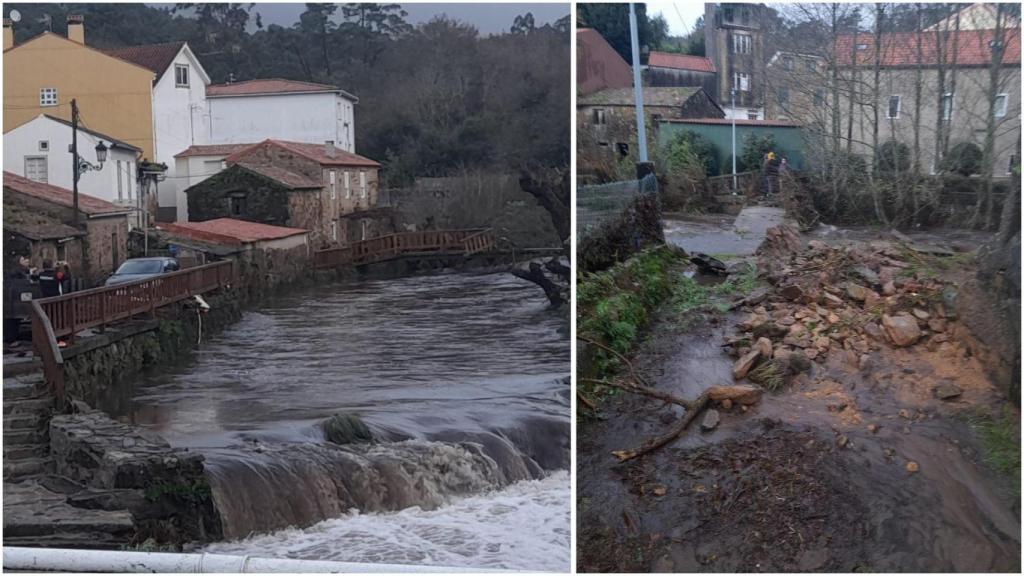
<point>963,158</point>
<point>688,150</point>
<point>892,156</point>
<point>753,151</point>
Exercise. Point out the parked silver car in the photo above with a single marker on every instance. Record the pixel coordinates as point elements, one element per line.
<point>141,269</point>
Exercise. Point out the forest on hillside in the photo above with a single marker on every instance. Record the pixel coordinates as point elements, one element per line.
<point>435,98</point>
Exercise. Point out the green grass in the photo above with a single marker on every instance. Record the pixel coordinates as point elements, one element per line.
<point>1000,437</point>
<point>927,266</point>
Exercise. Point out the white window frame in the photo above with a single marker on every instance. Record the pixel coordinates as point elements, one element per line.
<point>1000,112</point>
<point>741,81</point>
<point>130,171</point>
<point>46,168</point>
<point>48,97</point>
<point>888,107</point>
<point>783,95</point>
<point>334,230</point>
<point>599,117</point>
<point>177,80</point>
<point>741,43</point>
<point>334,185</point>
<point>120,185</point>
<point>348,185</point>
<point>947,115</point>
<point>362,184</point>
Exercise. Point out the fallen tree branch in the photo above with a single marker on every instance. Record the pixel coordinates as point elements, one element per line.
<point>644,390</point>
<point>557,295</point>
<point>625,361</point>
<point>654,443</point>
<point>583,400</point>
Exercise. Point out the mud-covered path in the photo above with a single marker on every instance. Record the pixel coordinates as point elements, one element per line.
<point>813,478</point>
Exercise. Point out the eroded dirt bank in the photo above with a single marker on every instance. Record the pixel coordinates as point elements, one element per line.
<point>867,458</point>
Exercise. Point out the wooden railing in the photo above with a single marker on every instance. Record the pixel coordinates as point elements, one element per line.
<point>78,311</point>
<point>465,242</point>
<point>723,184</point>
<point>46,348</point>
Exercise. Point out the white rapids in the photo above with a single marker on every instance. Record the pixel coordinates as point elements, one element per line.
<point>525,526</point>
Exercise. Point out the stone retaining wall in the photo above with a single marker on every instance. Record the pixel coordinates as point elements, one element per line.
<point>121,468</point>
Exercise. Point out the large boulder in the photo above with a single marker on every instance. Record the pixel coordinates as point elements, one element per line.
<point>901,330</point>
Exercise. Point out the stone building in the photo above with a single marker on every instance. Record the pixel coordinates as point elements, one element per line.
<point>38,222</point>
<point>734,40</point>
<point>329,192</point>
<point>606,120</point>
<point>680,70</point>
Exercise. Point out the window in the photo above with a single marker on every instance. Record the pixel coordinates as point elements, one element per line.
<point>599,116</point>
<point>728,14</point>
<point>334,186</point>
<point>783,96</point>
<point>348,186</point>
<point>36,168</point>
<point>1000,110</point>
<point>120,187</point>
<point>334,230</point>
<point>44,145</point>
<point>365,229</point>
<point>128,175</point>
<point>894,107</point>
<point>819,97</point>
<point>237,205</point>
<point>181,75</point>
<point>787,63</point>
<point>741,82</point>
<point>741,44</point>
<point>47,96</point>
<point>751,114</point>
<point>362,184</point>
<point>947,106</point>
<point>809,65</point>
<point>623,149</point>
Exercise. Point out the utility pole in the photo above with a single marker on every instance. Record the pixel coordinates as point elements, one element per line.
<point>732,94</point>
<point>74,157</point>
<point>641,134</point>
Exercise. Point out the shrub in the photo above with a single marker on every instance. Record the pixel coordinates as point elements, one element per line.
<point>963,158</point>
<point>754,149</point>
<point>892,156</point>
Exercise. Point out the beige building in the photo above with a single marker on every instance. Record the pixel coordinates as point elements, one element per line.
<point>43,74</point>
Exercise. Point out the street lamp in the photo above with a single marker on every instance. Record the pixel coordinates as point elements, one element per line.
<point>732,93</point>
<point>101,152</point>
<point>101,157</point>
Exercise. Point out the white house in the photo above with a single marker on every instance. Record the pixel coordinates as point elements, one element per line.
<point>255,110</point>
<point>197,163</point>
<point>39,150</point>
<point>180,113</point>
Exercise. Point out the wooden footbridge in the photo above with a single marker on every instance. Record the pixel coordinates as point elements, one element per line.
<point>423,243</point>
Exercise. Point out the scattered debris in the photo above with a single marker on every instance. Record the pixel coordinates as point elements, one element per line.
<point>711,419</point>
<point>948,391</point>
<point>912,467</point>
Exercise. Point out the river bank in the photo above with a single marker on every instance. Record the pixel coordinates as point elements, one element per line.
<point>852,465</point>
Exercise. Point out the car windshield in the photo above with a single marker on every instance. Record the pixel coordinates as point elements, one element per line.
<point>141,267</point>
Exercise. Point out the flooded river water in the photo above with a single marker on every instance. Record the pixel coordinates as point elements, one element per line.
<point>462,378</point>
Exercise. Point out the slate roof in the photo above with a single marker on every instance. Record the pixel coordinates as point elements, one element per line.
<point>89,205</point>
<point>652,97</point>
<point>212,150</point>
<point>313,152</point>
<point>291,180</point>
<point>35,225</point>
<point>680,62</point>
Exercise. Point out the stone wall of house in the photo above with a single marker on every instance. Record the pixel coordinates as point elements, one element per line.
<point>122,468</point>
<point>106,247</point>
<point>306,211</point>
<point>262,199</point>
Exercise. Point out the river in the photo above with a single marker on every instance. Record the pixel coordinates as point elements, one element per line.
<point>462,380</point>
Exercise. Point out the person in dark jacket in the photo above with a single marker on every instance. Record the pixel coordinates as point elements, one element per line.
<point>49,280</point>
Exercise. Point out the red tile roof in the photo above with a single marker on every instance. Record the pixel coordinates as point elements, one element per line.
<point>267,86</point>
<point>739,122</point>
<point>211,150</point>
<point>156,57</point>
<point>228,231</point>
<point>680,62</point>
<point>314,152</point>
<point>900,48</point>
<point>89,205</point>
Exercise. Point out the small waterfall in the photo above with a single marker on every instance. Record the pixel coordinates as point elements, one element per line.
<point>261,488</point>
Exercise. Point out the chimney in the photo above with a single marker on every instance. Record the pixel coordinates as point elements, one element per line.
<point>76,28</point>
<point>329,148</point>
<point>8,33</point>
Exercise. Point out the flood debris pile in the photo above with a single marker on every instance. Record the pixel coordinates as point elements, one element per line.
<point>836,300</point>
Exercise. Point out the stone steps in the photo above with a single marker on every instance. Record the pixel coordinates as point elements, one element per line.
<point>25,420</point>
<point>27,411</point>
<point>37,516</point>
<point>20,451</point>
<point>28,405</point>
<point>15,469</point>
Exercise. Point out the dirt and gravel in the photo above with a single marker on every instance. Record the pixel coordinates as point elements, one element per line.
<point>862,459</point>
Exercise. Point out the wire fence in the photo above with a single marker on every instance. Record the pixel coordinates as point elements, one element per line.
<point>616,220</point>
<point>611,204</point>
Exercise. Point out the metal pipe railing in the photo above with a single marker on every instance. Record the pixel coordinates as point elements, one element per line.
<point>68,560</point>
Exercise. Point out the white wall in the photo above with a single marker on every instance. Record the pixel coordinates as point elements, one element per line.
<point>24,140</point>
<point>192,170</point>
<point>179,120</point>
<point>297,117</point>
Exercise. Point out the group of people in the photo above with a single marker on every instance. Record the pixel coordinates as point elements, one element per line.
<point>54,279</point>
<point>772,167</point>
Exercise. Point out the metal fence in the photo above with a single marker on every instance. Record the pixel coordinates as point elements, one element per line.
<point>609,204</point>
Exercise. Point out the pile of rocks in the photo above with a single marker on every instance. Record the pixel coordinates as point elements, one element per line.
<point>828,300</point>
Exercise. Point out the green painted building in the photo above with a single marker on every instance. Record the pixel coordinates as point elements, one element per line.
<point>788,137</point>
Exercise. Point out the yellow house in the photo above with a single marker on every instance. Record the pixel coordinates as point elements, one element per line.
<point>43,74</point>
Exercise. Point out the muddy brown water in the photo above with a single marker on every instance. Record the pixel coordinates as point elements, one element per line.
<point>463,379</point>
<point>772,490</point>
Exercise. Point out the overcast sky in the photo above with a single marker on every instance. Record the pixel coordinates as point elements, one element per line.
<point>679,15</point>
<point>488,18</point>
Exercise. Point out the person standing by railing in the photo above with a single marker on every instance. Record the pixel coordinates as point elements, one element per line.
<point>49,281</point>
